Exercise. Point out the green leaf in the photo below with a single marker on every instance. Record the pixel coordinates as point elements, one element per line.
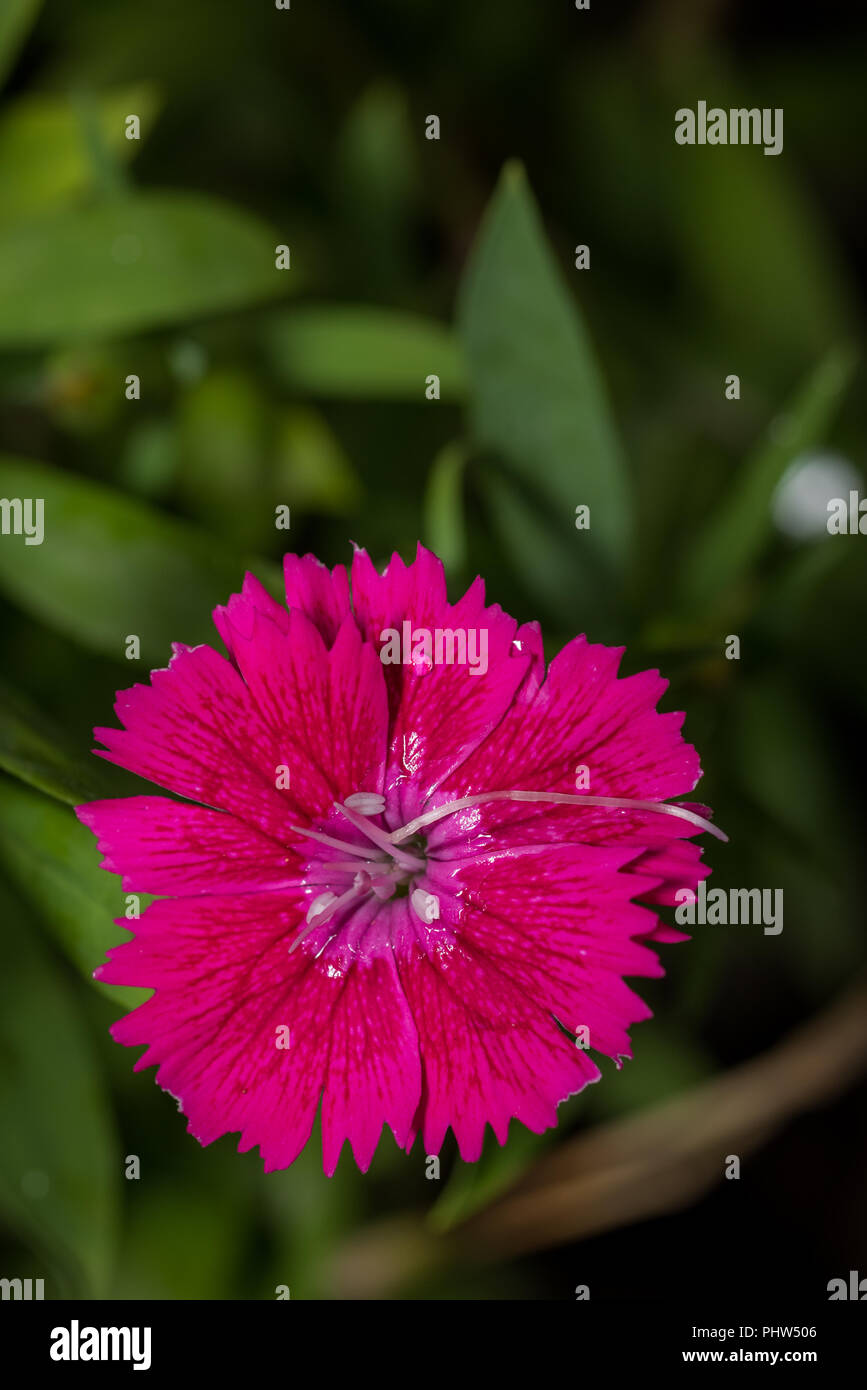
<point>536,393</point>
<point>16,19</point>
<point>786,765</point>
<point>224,423</point>
<point>312,471</point>
<point>374,354</point>
<point>59,1164</point>
<point>184,1240</point>
<point>445,523</point>
<point>131,263</point>
<point>45,159</point>
<point>53,860</point>
<point>551,558</point>
<point>743,523</point>
<point>761,269</point>
<point>110,567</point>
<point>376,181</point>
<point>33,750</point>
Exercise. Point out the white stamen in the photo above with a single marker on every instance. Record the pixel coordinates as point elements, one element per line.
<point>560,798</point>
<point>325,906</point>
<point>363,851</point>
<point>380,838</point>
<point>368,803</point>
<point>426,905</point>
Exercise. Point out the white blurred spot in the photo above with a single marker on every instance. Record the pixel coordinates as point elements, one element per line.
<point>800,503</point>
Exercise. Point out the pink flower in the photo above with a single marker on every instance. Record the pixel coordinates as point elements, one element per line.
<point>383,891</point>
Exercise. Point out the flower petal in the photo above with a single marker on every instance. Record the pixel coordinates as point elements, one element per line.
<point>561,924</point>
<point>438,715</point>
<point>321,594</point>
<point>163,846</point>
<point>227,988</point>
<point>182,732</point>
<point>327,707</point>
<point>476,1073</point>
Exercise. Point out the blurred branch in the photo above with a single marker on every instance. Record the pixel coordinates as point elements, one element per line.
<point>663,1159</point>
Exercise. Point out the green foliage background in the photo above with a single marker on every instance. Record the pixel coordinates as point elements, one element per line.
<point>306,387</point>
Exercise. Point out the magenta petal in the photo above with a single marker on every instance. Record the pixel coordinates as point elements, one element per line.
<point>437,715</point>
<point>321,594</point>
<point>563,926</point>
<point>162,846</point>
<point>239,611</point>
<point>225,988</point>
<point>476,1074</point>
<point>374,1071</point>
<point>326,708</point>
<point>350,1037</point>
<point>181,731</point>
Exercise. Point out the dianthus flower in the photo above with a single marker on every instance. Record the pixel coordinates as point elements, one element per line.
<point>403,886</point>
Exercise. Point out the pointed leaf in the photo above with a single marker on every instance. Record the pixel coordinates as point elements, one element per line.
<point>536,393</point>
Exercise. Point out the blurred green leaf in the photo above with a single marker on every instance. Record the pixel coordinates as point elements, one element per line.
<point>182,1241</point>
<point>16,18</point>
<point>224,424</point>
<point>54,862</point>
<point>537,396</point>
<point>308,1220</point>
<point>472,1186</point>
<point>377,164</point>
<point>742,523</point>
<point>312,472</point>
<point>33,750</point>
<point>150,462</point>
<point>44,154</point>
<point>59,1163</point>
<point>110,567</point>
<point>549,557</point>
<point>130,263</point>
<point>374,354</point>
<point>761,269</point>
<point>666,1061</point>
<point>443,510</point>
<point>785,763</point>
<point>822,941</point>
<point>376,176</point>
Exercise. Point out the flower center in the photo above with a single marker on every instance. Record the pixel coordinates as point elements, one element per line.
<point>378,864</point>
<point>370,867</point>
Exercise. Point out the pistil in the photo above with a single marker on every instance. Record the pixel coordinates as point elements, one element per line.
<point>559,798</point>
